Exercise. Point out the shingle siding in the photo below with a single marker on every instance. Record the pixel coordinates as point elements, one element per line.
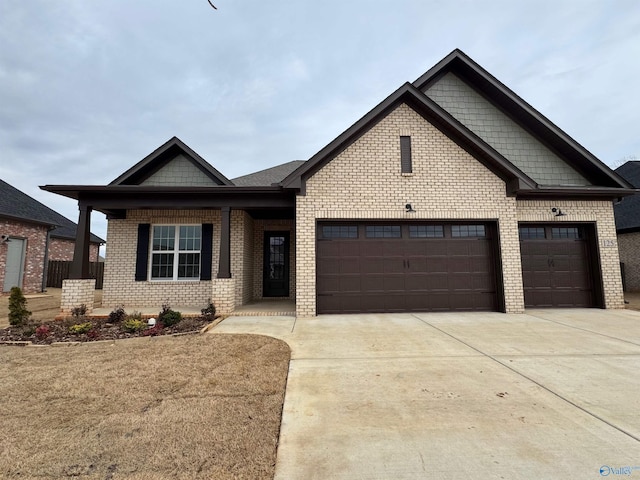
<point>503,134</point>
<point>179,172</point>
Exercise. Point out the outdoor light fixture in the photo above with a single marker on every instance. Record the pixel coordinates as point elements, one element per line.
<point>409,208</point>
<point>558,212</point>
<point>4,239</point>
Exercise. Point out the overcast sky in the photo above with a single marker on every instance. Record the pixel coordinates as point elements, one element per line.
<point>90,87</point>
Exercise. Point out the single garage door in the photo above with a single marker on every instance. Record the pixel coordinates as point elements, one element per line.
<point>405,267</point>
<point>558,265</point>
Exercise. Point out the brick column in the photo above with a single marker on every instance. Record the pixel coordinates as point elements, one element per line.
<point>76,292</point>
<point>223,295</point>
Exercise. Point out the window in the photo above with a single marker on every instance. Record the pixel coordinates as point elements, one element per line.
<point>175,252</point>
<point>426,231</point>
<point>565,232</point>
<point>531,233</point>
<point>382,231</point>
<point>467,231</point>
<point>405,154</point>
<point>340,231</point>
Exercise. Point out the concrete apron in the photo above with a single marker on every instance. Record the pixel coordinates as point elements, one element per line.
<point>548,394</point>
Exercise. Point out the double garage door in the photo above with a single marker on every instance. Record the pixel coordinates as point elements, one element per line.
<point>410,267</point>
<point>447,266</point>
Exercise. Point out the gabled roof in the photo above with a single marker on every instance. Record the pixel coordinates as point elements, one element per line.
<point>541,127</point>
<point>268,176</point>
<point>19,206</point>
<point>161,156</point>
<point>608,184</point>
<point>627,212</point>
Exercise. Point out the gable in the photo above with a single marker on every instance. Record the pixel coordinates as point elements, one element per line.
<point>179,172</point>
<point>502,133</point>
<point>172,164</point>
<point>368,172</point>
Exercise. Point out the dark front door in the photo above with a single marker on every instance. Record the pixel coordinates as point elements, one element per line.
<point>276,264</point>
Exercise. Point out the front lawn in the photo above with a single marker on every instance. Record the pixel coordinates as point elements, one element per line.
<point>187,407</point>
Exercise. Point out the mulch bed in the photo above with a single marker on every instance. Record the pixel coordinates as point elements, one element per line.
<point>45,333</point>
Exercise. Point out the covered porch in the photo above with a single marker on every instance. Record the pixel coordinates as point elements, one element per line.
<point>246,261</point>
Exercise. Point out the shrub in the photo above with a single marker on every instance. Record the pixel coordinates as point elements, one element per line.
<point>153,331</point>
<point>80,328</point>
<point>42,332</point>
<point>18,313</point>
<point>209,312</point>
<point>169,317</point>
<point>133,325</point>
<point>79,312</point>
<point>117,315</point>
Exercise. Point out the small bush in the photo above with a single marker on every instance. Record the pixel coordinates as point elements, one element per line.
<point>209,312</point>
<point>169,317</point>
<point>135,315</point>
<point>42,332</point>
<point>153,331</point>
<point>117,315</point>
<point>80,328</point>
<point>132,325</point>
<point>18,313</point>
<point>79,312</point>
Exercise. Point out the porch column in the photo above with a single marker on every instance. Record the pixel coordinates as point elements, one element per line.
<point>80,264</point>
<point>224,263</point>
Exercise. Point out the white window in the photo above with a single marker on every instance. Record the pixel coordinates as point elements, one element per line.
<point>175,252</point>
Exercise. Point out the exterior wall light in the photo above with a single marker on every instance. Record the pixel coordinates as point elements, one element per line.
<point>558,212</point>
<point>409,208</point>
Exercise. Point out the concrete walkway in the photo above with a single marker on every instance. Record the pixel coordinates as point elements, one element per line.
<point>549,394</point>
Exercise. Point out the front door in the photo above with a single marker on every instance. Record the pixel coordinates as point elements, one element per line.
<point>15,264</point>
<point>276,264</point>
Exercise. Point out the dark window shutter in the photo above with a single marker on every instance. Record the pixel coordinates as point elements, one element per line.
<point>142,252</point>
<point>405,154</point>
<point>206,251</point>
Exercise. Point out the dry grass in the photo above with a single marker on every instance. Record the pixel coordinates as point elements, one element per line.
<point>44,306</point>
<point>185,407</point>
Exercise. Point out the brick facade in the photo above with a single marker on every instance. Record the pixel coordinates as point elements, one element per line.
<point>629,248</point>
<point>36,241</point>
<point>364,181</point>
<point>62,249</point>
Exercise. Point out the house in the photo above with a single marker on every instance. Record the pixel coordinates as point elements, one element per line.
<point>627,214</point>
<point>33,234</point>
<point>452,194</point>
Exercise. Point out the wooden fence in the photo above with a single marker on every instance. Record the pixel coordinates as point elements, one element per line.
<point>59,270</point>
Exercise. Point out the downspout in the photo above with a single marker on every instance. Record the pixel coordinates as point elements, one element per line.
<point>45,267</point>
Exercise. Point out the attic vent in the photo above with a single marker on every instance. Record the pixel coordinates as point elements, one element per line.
<point>405,154</point>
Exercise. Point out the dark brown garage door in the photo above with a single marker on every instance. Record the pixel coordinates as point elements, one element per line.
<point>374,267</point>
<point>557,265</point>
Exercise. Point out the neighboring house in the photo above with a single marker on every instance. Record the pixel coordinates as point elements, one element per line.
<point>627,214</point>
<point>452,194</point>
<point>33,234</point>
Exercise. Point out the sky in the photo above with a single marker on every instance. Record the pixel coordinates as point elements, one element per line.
<point>89,88</point>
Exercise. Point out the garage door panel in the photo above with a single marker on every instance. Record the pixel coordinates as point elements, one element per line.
<point>557,272</point>
<point>406,274</point>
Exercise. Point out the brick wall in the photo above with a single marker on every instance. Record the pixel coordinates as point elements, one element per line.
<point>364,181</point>
<point>62,249</point>
<point>120,286</point>
<point>36,240</point>
<point>629,248</point>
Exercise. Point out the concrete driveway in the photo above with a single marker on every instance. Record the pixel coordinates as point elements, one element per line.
<point>549,394</point>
